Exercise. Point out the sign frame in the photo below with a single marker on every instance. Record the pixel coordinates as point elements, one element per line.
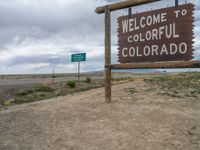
<point>78,57</point>
<point>147,65</point>
<point>164,34</point>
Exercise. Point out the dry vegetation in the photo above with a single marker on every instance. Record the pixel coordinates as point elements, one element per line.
<point>154,112</point>
<point>50,90</point>
<point>178,85</point>
<point>175,85</point>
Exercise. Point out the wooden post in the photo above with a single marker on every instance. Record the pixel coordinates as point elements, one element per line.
<point>107,56</point>
<point>158,65</point>
<point>107,9</point>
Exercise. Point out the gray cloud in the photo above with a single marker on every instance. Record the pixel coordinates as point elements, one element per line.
<point>41,20</point>
<point>36,34</point>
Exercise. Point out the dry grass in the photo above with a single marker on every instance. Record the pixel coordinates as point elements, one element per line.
<point>177,85</point>
<point>180,85</point>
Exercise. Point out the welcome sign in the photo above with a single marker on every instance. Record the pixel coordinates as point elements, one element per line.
<point>158,35</point>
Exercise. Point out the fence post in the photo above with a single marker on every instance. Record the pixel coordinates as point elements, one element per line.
<point>107,56</point>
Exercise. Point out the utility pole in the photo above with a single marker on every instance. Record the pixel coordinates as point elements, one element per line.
<point>53,76</point>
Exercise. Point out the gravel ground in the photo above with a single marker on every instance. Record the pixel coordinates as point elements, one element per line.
<point>136,119</point>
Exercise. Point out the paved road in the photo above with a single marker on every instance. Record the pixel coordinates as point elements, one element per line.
<point>29,81</point>
<point>11,82</point>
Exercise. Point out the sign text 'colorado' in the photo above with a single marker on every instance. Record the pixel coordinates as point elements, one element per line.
<point>159,35</point>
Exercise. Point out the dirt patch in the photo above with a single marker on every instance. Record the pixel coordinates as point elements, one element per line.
<point>136,119</point>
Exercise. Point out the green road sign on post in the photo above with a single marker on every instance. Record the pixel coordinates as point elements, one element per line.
<point>78,58</point>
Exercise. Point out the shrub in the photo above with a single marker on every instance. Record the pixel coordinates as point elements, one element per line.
<point>118,79</point>
<point>8,102</point>
<point>71,83</point>
<point>87,79</point>
<point>61,93</point>
<point>44,76</point>
<point>43,88</point>
<point>24,92</point>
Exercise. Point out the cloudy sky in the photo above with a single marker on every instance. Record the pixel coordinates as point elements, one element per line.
<point>39,35</point>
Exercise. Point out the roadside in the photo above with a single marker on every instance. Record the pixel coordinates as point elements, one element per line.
<point>16,91</point>
<point>138,118</point>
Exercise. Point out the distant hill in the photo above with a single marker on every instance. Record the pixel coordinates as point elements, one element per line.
<point>138,70</point>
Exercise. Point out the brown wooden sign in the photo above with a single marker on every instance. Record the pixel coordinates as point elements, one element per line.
<point>158,35</point>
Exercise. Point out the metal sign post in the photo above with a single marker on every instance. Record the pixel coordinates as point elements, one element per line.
<point>176,3</point>
<point>78,58</point>
<point>78,72</point>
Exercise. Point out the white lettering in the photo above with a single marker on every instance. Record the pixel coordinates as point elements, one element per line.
<point>154,50</point>
<point>177,13</point>
<point>183,12</point>
<point>183,48</point>
<point>149,20</point>
<point>130,39</point>
<point>136,27</point>
<point>163,17</point>
<point>147,51</point>
<point>156,19</point>
<point>125,26</point>
<point>169,31</point>
<point>161,31</point>
<point>173,49</point>
<point>174,31</point>
<point>164,50</point>
<point>138,54</point>
<point>123,52</point>
<point>132,51</point>
<point>148,35</point>
<point>131,24</point>
<point>155,34</point>
<point>136,38</point>
<point>142,22</point>
<point>141,38</point>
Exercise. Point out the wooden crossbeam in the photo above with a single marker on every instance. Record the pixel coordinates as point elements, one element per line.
<point>122,5</point>
<point>157,65</point>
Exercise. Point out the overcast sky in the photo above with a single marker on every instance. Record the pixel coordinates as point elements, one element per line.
<point>39,35</point>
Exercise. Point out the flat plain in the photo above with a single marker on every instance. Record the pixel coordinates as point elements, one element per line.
<point>147,113</point>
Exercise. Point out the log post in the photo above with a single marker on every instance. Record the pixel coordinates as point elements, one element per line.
<point>107,56</point>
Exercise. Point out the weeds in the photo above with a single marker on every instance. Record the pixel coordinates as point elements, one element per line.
<point>43,88</point>
<point>9,102</point>
<point>183,84</point>
<point>24,92</point>
<point>131,90</point>
<point>71,83</point>
<point>87,79</point>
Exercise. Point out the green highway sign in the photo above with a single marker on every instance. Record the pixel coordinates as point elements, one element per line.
<point>78,57</point>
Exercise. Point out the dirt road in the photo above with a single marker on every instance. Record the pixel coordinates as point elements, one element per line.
<point>136,119</point>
